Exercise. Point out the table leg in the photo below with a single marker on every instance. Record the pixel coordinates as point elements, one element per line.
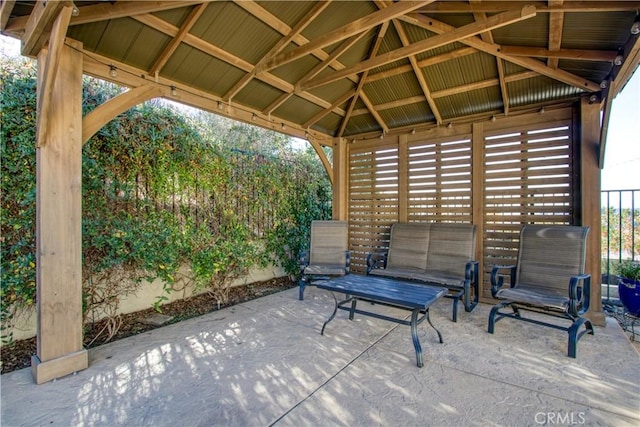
<point>429,320</point>
<point>335,310</point>
<point>414,335</point>
<point>354,301</point>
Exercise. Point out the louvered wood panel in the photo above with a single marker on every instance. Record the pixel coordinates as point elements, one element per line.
<point>528,178</point>
<point>439,182</point>
<point>373,201</point>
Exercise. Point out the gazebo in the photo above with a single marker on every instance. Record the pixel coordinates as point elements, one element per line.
<point>486,112</point>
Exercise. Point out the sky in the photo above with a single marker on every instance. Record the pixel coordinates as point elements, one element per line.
<point>622,152</point>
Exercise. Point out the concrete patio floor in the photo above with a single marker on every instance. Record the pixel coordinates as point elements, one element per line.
<point>264,362</point>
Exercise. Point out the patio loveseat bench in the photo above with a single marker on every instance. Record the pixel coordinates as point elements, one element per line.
<point>437,254</point>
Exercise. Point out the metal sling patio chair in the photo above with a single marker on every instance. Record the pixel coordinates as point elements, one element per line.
<point>548,278</point>
<point>328,253</point>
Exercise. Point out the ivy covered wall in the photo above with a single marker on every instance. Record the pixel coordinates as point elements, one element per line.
<point>163,188</point>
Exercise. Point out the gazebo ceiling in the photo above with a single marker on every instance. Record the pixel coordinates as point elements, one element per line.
<point>350,68</point>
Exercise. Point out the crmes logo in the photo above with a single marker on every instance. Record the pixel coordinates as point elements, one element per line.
<point>559,418</point>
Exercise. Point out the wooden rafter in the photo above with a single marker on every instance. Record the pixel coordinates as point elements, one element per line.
<point>574,54</point>
<point>105,10</point>
<point>5,12</point>
<point>346,31</point>
<point>494,49</point>
<point>556,24</point>
<point>488,6</point>
<point>341,100</point>
<point>187,24</point>
<point>344,46</point>
<point>38,28</point>
<point>450,91</point>
<point>293,33</point>
<point>363,78</point>
<point>487,37</point>
<point>426,62</point>
<point>444,38</point>
<point>193,41</point>
<point>417,71</point>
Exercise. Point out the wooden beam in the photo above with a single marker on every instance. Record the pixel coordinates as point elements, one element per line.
<point>488,6</point>
<point>372,110</point>
<point>503,86</point>
<point>556,25</point>
<point>494,49</point>
<point>38,28</point>
<point>574,54</point>
<point>344,46</point>
<point>5,12</point>
<point>590,186</point>
<point>444,38</point>
<point>193,41</point>
<point>47,81</point>
<point>373,51</point>
<point>59,225</point>
<point>187,24</point>
<point>341,100</point>
<point>417,71</point>
<point>103,114</point>
<point>292,34</point>
<point>426,62</point>
<point>103,11</point>
<point>346,31</point>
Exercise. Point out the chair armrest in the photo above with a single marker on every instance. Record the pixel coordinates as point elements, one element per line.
<point>497,280</point>
<point>579,294</point>
<point>471,272</point>
<point>303,259</point>
<point>376,260</point>
<point>347,256</point>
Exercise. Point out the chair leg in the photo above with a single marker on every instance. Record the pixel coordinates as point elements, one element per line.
<point>492,316</point>
<point>574,336</point>
<point>302,284</point>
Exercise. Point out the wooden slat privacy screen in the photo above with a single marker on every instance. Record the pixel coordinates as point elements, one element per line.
<point>373,200</point>
<point>528,177</point>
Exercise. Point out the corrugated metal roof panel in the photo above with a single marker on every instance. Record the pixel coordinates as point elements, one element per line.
<point>328,124</point>
<point>294,71</point>
<point>359,51</point>
<point>117,37</point>
<point>332,91</point>
<point>174,16</point>
<point>407,115</point>
<point>511,68</point>
<point>612,27</point>
<point>530,32</point>
<point>297,110</point>
<point>460,71</point>
<point>539,89</point>
<point>221,25</point>
<point>469,103</point>
<point>336,15</point>
<point>361,124</point>
<point>257,95</point>
<point>289,12</point>
<point>393,88</point>
<point>195,68</point>
<point>597,71</point>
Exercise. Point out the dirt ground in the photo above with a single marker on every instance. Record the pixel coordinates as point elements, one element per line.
<point>18,354</point>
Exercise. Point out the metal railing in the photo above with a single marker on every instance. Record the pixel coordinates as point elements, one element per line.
<point>620,227</point>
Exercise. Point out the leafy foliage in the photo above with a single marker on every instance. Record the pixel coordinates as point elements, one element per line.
<point>191,199</point>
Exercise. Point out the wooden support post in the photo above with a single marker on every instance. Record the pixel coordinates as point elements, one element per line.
<point>477,198</point>
<point>590,204</point>
<point>59,222</point>
<point>340,179</point>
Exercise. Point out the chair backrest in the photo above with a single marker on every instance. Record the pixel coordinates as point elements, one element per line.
<point>549,255</point>
<point>329,242</point>
<point>451,247</point>
<point>408,245</point>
